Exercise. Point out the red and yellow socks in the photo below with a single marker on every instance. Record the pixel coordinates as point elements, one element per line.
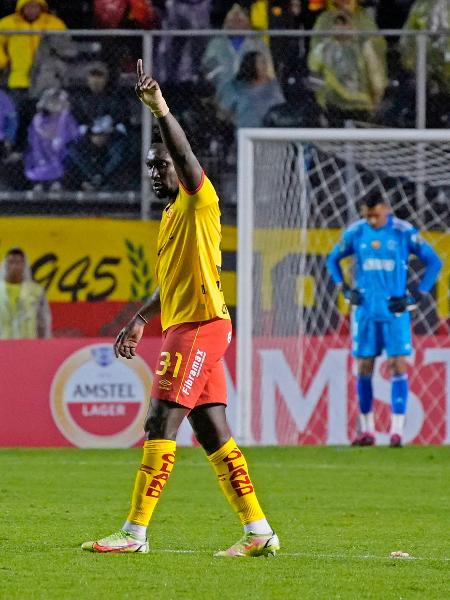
<point>232,472</point>
<point>157,464</point>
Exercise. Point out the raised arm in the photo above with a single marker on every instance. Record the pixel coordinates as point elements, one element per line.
<point>186,164</point>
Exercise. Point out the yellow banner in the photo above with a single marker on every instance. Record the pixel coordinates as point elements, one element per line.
<point>108,259</point>
<point>94,259</point>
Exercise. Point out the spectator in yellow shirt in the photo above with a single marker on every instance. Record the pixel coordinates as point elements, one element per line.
<point>17,52</point>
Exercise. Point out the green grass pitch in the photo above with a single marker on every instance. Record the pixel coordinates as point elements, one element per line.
<point>339,513</point>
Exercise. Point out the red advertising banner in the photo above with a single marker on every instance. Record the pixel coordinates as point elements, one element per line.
<point>73,392</point>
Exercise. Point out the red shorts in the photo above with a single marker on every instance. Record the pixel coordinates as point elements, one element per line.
<point>190,371</point>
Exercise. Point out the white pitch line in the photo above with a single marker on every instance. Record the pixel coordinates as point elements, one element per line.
<point>311,555</point>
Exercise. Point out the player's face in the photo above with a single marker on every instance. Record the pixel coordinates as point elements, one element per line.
<point>14,268</point>
<point>377,215</point>
<point>162,172</point>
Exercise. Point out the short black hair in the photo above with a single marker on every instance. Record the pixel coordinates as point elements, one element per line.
<point>372,200</point>
<point>16,251</point>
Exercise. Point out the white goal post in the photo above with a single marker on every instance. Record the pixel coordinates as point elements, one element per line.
<point>297,189</point>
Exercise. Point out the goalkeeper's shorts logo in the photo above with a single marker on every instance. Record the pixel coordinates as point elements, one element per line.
<point>99,402</point>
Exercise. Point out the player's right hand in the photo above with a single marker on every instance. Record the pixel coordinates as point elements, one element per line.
<point>352,295</point>
<point>128,339</point>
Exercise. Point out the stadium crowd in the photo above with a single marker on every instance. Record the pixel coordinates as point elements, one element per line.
<point>69,121</point>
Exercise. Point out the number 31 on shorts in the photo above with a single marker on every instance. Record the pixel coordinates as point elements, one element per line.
<point>166,362</point>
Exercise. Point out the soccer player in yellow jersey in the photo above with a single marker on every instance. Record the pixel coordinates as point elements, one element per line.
<point>190,378</point>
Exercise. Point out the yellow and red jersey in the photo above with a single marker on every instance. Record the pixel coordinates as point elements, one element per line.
<point>189,258</point>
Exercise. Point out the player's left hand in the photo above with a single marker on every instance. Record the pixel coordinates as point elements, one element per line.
<point>149,92</point>
<point>401,304</point>
<point>128,339</point>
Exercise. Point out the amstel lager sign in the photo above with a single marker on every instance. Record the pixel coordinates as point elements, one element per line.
<point>98,401</point>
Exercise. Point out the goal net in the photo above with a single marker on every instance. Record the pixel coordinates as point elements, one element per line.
<point>297,189</point>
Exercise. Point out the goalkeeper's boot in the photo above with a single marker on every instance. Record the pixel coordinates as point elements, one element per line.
<point>253,544</point>
<point>395,441</point>
<point>121,541</point>
<point>364,439</point>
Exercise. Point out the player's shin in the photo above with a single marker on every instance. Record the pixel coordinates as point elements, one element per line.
<point>399,399</point>
<point>157,464</point>
<point>365,399</point>
<point>232,471</point>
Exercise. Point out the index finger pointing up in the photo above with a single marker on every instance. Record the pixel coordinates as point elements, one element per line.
<point>140,68</point>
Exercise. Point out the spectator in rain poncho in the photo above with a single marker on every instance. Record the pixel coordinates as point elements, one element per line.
<point>53,127</point>
<point>24,310</point>
<point>97,161</point>
<point>223,55</point>
<point>352,70</point>
<point>8,122</point>
<point>247,98</point>
<point>17,52</point>
<point>433,15</point>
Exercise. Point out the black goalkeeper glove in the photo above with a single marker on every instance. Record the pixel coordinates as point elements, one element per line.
<point>407,303</point>
<point>352,295</point>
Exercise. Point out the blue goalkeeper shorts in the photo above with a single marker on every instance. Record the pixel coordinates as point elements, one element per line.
<point>371,337</point>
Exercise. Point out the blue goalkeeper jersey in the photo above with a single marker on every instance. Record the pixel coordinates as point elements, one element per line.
<point>381,262</point>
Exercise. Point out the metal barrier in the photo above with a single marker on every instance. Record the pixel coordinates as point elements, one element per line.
<point>123,187</point>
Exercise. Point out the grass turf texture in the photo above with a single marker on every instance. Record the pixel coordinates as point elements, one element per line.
<point>339,513</point>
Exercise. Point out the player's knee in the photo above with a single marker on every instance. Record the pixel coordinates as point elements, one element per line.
<point>365,367</point>
<point>398,366</point>
<point>210,427</point>
<point>162,423</point>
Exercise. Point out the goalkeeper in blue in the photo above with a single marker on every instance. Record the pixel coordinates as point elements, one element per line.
<point>381,317</point>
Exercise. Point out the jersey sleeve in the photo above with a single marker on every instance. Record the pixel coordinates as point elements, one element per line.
<point>344,248</point>
<point>202,196</point>
<point>426,253</point>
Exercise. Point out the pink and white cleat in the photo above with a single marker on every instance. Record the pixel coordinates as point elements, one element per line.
<point>121,541</point>
<point>253,544</point>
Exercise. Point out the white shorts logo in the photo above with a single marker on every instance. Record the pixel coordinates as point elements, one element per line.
<point>197,365</point>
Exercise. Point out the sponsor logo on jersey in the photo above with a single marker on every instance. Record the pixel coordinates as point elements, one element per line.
<point>376,244</point>
<point>98,401</point>
<point>378,264</point>
<point>194,372</point>
<point>391,245</point>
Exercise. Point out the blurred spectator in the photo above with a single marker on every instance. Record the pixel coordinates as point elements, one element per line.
<point>51,64</point>
<point>24,310</point>
<point>53,127</point>
<point>97,161</point>
<point>289,54</point>
<point>353,73</point>
<point>223,55</point>
<point>96,98</point>
<point>125,14</point>
<point>220,9</point>
<point>247,98</point>
<point>433,15</point>
<point>360,20</point>
<point>17,52</point>
<point>8,122</point>
<point>179,57</point>
<point>11,175</point>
